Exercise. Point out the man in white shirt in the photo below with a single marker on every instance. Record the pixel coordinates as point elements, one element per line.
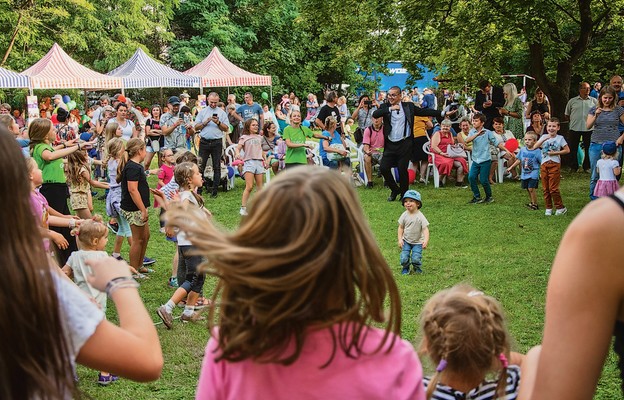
<point>576,112</point>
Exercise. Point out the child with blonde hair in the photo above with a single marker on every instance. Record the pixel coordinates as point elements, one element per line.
<point>92,236</point>
<point>78,174</point>
<point>253,168</point>
<point>607,168</point>
<point>299,300</point>
<point>464,334</point>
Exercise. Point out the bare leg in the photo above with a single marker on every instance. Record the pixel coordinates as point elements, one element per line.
<point>249,180</point>
<point>83,213</point>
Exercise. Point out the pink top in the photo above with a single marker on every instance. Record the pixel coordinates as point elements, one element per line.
<point>375,139</point>
<point>252,146</point>
<point>165,173</point>
<point>39,205</point>
<point>396,375</point>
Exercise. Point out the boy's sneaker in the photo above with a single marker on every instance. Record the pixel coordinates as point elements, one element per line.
<point>369,185</point>
<point>475,200</point>
<point>119,257</point>
<point>561,211</point>
<point>113,227</point>
<point>173,282</point>
<point>405,271</point>
<point>165,316</point>
<point>148,261</point>
<point>489,200</point>
<point>243,211</point>
<point>104,380</point>
<point>418,270</point>
<point>548,212</point>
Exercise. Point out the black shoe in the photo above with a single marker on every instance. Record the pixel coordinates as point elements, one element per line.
<point>393,196</point>
<point>369,185</point>
<point>489,200</point>
<point>476,200</point>
<point>214,194</point>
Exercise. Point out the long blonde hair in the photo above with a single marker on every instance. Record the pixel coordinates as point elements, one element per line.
<point>133,147</point>
<point>512,93</point>
<point>466,329</point>
<point>303,258</point>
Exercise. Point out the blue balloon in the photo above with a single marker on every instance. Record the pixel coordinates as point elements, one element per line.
<point>66,99</point>
<point>306,123</point>
<point>230,172</point>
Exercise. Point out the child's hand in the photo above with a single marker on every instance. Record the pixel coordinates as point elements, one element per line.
<point>169,231</point>
<point>425,244</point>
<point>59,240</point>
<point>104,270</point>
<point>400,243</point>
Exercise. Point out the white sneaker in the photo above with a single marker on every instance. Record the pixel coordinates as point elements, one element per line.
<point>243,211</point>
<point>548,211</point>
<point>561,211</point>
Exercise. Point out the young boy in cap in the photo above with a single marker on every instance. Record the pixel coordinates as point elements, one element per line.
<point>413,233</point>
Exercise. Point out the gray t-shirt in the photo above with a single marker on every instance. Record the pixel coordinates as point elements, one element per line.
<point>365,117</point>
<point>413,226</point>
<point>606,125</point>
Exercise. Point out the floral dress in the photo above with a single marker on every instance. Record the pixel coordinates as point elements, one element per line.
<point>515,125</point>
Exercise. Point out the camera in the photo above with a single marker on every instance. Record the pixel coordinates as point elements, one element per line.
<point>368,102</point>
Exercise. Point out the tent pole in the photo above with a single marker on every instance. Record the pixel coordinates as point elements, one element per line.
<point>161,96</point>
<point>123,91</point>
<point>271,97</point>
<point>86,107</point>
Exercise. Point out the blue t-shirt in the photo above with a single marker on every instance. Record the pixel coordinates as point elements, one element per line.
<point>530,161</point>
<point>250,111</point>
<point>335,140</point>
<point>481,145</point>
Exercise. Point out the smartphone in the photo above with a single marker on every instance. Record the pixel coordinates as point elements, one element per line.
<point>214,115</point>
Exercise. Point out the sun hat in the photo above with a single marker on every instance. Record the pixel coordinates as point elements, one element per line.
<point>412,194</point>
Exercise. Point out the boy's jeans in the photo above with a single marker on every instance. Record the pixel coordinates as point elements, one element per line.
<point>481,170</point>
<point>416,255</point>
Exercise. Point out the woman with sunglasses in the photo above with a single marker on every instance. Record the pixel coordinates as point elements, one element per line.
<point>153,137</point>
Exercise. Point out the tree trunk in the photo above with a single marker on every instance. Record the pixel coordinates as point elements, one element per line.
<point>12,42</point>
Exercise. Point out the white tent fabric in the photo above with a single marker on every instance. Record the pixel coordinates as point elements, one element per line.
<point>142,71</point>
<point>57,70</point>
<point>217,71</point>
<point>10,79</point>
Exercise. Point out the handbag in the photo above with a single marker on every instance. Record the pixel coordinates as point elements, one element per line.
<point>336,156</point>
<point>456,150</point>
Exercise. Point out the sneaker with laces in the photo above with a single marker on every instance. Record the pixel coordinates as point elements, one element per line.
<point>489,200</point>
<point>561,211</point>
<point>173,282</point>
<point>475,200</point>
<point>405,271</point>
<point>148,261</point>
<point>243,211</point>
<point>196,316</point>
<point>104,380</point>
<point>165,316</point>
<point>113,227</point>
<point>548,212</point>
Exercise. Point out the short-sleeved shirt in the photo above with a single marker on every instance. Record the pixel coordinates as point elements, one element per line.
<point>394,373</point>
<point>247,111</point>
<point>133,172</point>
<point>481,145</point>
<point>485,391</point>
<point>326,111</point>
<point>553,144</point>
<point>365,117</point>
<point>296,135</point>
<point>252,146</point>
<point>530,161</point>
<point>185,195</point>
<point>126,130</point>
<point>176,140</point>
<point>52,171</point>
<point>211,130</point>
<point>413,226</point>
<point>578,108</point>
<point>606,125</point>
<point>375,139</point>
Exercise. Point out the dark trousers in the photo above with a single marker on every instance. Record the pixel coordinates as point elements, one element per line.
<point>396,154</point>
<point>57,194</point>
<point>212,148</point>
<point>574,139</point>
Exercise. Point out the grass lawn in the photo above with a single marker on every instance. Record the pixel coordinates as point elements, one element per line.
<point>501,248</point>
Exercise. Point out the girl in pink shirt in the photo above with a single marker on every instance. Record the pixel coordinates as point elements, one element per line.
<point>253,158</point>
<point>301,283</point>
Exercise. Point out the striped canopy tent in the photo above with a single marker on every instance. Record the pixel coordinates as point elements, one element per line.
<point>10,79</point>
<point>217,71</point>
<point>57,70</point>
<point>142,71</point>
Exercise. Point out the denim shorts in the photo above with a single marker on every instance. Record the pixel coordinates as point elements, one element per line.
<point>256,167</point>
<point>529,183</point>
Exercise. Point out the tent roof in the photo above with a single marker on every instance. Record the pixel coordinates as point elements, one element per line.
<point>217,71</point>
<point>57,70</point>
<point>10,79</point>
<point>142,71</point>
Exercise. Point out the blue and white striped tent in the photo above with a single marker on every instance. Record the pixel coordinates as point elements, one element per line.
<point>10,79</point>
<point>142,71</point>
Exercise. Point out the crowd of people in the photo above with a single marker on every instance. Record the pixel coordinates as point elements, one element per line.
<point>316,303</point>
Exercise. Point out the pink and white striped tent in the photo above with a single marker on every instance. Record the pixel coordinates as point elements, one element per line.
<point>217,71</point>
<point>57,70</point>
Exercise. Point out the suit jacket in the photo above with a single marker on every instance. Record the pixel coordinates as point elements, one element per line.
<point>498,100</point>
<point>410,111</point>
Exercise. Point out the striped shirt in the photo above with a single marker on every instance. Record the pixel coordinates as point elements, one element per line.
<point>485,391</point>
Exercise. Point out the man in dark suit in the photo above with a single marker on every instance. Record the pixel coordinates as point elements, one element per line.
<point>488,100</point>
<point>398,122</point>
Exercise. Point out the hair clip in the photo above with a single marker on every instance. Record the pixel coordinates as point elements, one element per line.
<point>474,293</point>
<point>441,365</point>
<point>503,360</point>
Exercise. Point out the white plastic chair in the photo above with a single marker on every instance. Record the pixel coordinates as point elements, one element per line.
<point>431,166</point>
<point>357,156</point>
<point>314,152</point>
<point>230,155</point>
